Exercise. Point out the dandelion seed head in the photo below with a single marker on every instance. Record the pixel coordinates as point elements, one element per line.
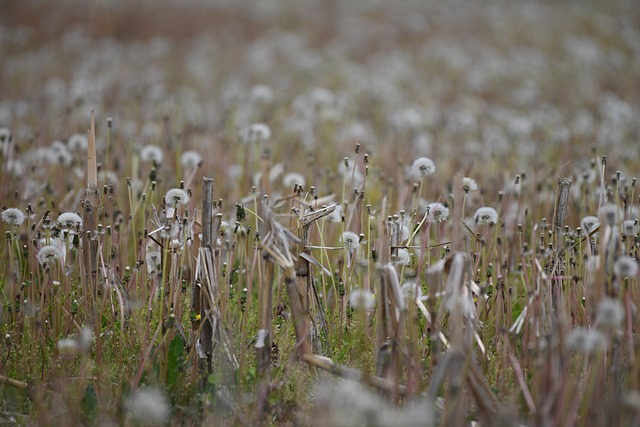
<point>336,215</point>
<point>349,170</point>
<point>77,142</point>
<point>404,232</point>
<point>350,240</point>
<point>586,341</point>
<point>85,340</point>
<point>190,159</point>
<point>411,291</point>
<point>262,94</point>
<point>176,196</point>
<point>589,223</point>
<point>149,406</point>
<point>625,266</point>
<point>153,260</point>
<point>437,212</point>
<point>347,403</point>
<point>293,178</point>
<point>611,214</point>
<point>108,177</point>
<point>68,346</point>
<point>5,135</point>
<point>258,132</point>
<point>486,216</point>
<point>58,154</point>
<point>13,216</point>
<point>588,176</point>
<point>151,154</point>
<point>403,257</point>
<point>469,184</point>
<point>423,166</point>
<point>48,255</point>
<point>170,231</point>
<point>610,313</point>
<point>69,220</point>
<point>361,299</point>
<point>630,227</point>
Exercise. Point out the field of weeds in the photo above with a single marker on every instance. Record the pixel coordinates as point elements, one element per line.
<point>323,213</point>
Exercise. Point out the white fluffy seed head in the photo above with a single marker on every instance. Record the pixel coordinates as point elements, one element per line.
<point>257,132</point>
<point>151,153</point>
<point>611,214</point>
<point>176,196</point>
<point>404,258</point>
<point>423,166</point>
<point>361,299</point>
<point>486,215</point>
<point>190,159</point>
<point>293,178</point>
<point>48,255</point>
<point>149,406</point>
<point>469,184</point>
<point>411,291</point>
<point>437,212</point>
<point>13,216</point>
<point>77,142</point>
<point>625,266</point>
<point>69,220</point>
<point>589,223</point>
<point>630,227</point>
<point>350,240</point>
<point>610,314</point>
<point>586,341</point>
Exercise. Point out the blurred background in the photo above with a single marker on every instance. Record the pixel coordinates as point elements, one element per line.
<point>537,82</point>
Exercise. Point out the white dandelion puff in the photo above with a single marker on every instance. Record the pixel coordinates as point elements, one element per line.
<point>625,266</point>
<point>170,231</point>
<point>611,214</point>
<point>585,340</point>
<point>293,178</point>
<point>68,346</point>
<point>350,240</point>
<point>5,140</point>
<point>190,159</point>
<point>486,215</point>
<point>69,220</point>
<point>404,232</point>
<point>469,184</point>
<point>630,227</point>
<point>176,196</point>
<point>59,154</point>
<point>423,166</point>
<point>48,255</point>
<point>349,170</point>
<point>262,94</point>
<point>13,216</point>
<point>153,260</point>
<point>108,177</point>
<point>403,257</point>
<point>151,154</point>
<point>411,291</point>
<point>361,299</point>
<point>589,223</point>
<point>336,215</point>
<point>258,132</point>
<point>610,313</point>
<point>149,406</point>
<point>77,142</point>
<point>437,212</point>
